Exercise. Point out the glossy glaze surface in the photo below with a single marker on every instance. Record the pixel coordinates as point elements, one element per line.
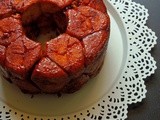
<point>72,54</point>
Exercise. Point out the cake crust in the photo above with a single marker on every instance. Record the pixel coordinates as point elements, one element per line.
<point>73,53</point>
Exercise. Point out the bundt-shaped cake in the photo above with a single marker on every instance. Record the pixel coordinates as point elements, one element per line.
<point>52,46</point>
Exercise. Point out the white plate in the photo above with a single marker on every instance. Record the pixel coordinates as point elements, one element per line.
<point>104,97</point>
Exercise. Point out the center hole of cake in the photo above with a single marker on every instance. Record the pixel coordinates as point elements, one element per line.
<point>43,22</point>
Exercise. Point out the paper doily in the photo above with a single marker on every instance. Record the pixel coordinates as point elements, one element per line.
<point>129,88</point>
